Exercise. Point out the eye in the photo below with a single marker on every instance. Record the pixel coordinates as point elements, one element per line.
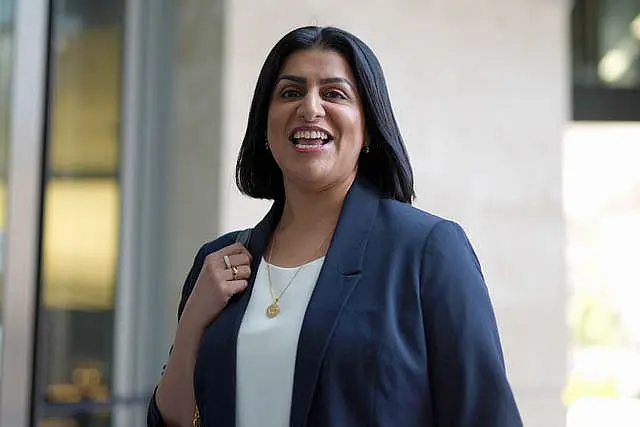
<point>290,93</point>
<point>335,94</point>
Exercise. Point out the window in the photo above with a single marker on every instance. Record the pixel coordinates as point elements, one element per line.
<point>81,214</point>
<point>606,60</point>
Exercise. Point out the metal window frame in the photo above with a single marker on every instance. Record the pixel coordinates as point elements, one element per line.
<point>594,101</point>
<point>22,251</point>
<point>601,104</point>
<point>124,366</point>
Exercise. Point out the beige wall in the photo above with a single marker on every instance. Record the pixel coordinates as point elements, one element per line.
<point>480,91</point>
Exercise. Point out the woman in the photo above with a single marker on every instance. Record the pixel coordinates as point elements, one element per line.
<point>346,306</point>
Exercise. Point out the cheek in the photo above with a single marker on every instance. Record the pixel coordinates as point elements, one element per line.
<point>354,131</point>
<point>276,121</point>
<point>272,118</point>
<point>353,125</point>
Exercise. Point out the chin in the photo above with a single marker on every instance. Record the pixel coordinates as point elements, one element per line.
<point>311,180</point>
<point>317,180</point>
<point>309,177</point>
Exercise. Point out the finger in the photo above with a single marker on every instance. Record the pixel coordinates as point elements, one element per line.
<point>233,249</point>
<point>241,259</point>
<point>237,256</point>
<point>235,286</point>
<point>234,260</point>
<point>244,272</point>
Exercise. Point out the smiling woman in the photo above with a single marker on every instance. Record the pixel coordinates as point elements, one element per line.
<point>316,124</point>
<point>345,305</point>
<point>348,78</point>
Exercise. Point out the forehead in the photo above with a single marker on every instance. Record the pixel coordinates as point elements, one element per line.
<point>317,64</point>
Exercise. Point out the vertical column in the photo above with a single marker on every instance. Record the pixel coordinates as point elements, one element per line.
<point>24,204</point>
<point>126,327</point>
<point>193,194</point>
<point>141,343</point>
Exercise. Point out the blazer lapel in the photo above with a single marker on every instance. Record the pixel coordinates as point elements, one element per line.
<point>338,278</point>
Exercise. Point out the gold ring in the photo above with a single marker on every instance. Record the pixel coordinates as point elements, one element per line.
<point>234,269</point>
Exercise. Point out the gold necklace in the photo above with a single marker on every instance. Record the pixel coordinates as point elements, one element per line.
<point>273,309</point>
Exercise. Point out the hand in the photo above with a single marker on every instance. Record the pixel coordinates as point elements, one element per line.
<point>216,285</point>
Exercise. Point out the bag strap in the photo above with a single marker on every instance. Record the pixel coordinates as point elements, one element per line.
<point>244,237</point>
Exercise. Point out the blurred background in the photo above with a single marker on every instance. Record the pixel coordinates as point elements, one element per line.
<point>120,121</point>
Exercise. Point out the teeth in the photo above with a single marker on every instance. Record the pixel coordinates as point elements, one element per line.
<point>313,134</point>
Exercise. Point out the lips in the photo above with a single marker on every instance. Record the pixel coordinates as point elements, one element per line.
<point>310,136</point>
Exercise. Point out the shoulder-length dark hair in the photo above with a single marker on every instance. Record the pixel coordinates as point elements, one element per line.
<point>386,165</point>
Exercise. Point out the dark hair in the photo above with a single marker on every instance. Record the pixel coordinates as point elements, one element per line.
<point>386,165</point>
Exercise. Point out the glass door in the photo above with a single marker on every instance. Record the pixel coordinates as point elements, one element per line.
<point>80,229</point>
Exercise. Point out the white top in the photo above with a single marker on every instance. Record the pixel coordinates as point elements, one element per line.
<point>266,352</point>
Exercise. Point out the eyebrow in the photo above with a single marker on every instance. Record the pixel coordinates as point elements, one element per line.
<point>302,80</point>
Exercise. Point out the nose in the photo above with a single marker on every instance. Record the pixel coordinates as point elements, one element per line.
<point>311,108</point>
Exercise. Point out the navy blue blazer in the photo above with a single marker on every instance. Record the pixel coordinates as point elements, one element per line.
<point>399,330</point>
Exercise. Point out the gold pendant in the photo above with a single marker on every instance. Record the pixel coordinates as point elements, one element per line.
<point>273,310</point>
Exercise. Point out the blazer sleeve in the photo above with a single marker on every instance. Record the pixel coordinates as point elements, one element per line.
<point>469,386</point>
<point>154,418</point>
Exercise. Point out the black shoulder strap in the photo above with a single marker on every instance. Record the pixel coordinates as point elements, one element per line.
<point>244,237</point>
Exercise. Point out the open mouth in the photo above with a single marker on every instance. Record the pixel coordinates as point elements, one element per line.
<point>310,138</point>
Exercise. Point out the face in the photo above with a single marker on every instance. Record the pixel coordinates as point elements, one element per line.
<point>315,127</point>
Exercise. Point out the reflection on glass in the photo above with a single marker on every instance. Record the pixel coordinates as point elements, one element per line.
<point>606,40</point>
<point>602,208</point>
<point>80,243</point>
<point>6,54</point>
<point>81,215</point>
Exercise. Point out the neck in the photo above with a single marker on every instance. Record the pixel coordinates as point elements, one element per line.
<point>320,208</point>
